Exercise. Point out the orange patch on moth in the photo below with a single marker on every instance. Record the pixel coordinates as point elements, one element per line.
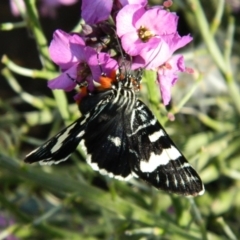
<point>113,75</point>
<point>82,93</point>
<point>107,81</point>
<point>136,84</point>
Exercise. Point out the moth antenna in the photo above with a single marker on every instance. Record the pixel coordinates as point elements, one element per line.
<point>139,75</point>
<point>139,71</point>
<point>80,84</point>
<point>122,55</point>
<point>100,66</point>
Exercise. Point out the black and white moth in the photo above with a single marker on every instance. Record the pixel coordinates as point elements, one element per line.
<point>123,139</point>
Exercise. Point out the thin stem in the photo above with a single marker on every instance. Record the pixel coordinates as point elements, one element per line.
<point>206,33</point>
<point>38,103</point>
<point>228,49</point>
<point>36,28</point>
<point>223,61</point>
<point>226,229</point>
<point>218,16</point>
<point>59,96</point>
<point>11,26</point>
<point>32,73</point>
<point>198,218</point>
<point>185,99</point>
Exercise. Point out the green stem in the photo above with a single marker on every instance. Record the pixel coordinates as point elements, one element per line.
<point>198,218</point>
<point>11,26</point>
<point>226,229</point>
<point>32,73</point>
<point>36,28</point>
<point>233,89</point>
<point>214,124</point>
<point>232,86</point>
<point>218,16</point>
<point>185,99</point>
<point>153,94</point>
<point>34,101</point>
<point>62,103</point>
<point>228,48</point>
<point>47,228</point>
<point>42,44</point>
<point>223,61</point>
<point>206,34</point>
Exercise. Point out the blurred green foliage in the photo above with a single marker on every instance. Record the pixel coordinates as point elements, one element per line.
<point>70,200</point>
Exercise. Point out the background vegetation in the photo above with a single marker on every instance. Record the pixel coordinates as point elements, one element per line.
<point>70,200</point>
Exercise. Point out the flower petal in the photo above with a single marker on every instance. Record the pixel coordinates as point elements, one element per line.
<point>175,41</point>
<point>167,76</point>
<point>59,49</point>
<point>62,50</point>
<point>96,11</point>
<point>135,46</point>
<point>141,2</point>
<point>165,83</point>
<point>127,17</point>
<point>98,64</point>
<point>67,2</point>
<point>65,80</point>
<point>153,57</point>
<point>77,48</point>
<point>159,21</point>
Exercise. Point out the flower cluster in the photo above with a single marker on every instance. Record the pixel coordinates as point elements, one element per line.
<point>148,37</point>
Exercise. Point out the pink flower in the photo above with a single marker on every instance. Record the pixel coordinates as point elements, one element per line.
<point>47,7</point>
<point>151,37</point>
<point>77,61</point>
<point>103,9</point>
<point>155,57</point>
<point>167,76</point>
<point>151,34</point>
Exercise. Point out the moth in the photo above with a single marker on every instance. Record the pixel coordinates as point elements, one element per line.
<point>122,138</point>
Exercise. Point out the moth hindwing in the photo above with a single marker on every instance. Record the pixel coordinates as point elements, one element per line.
<point>122,139</point>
